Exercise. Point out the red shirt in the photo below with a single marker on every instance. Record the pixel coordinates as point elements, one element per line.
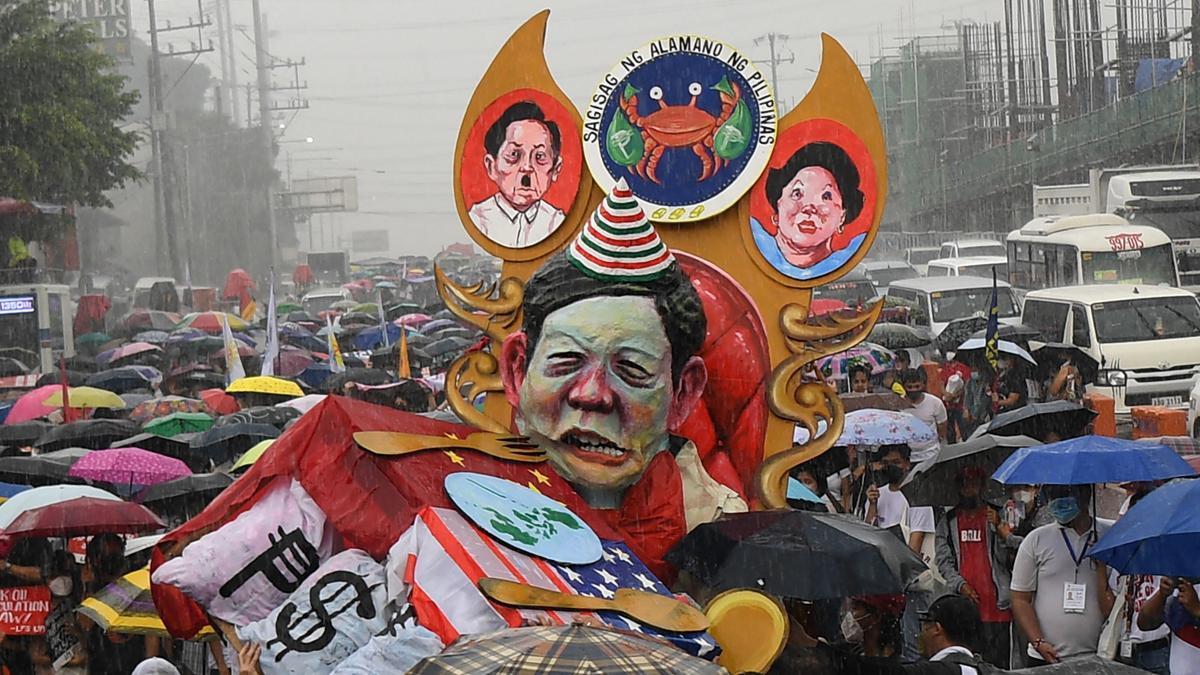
<point>949,369</point>
<point>975,564</point>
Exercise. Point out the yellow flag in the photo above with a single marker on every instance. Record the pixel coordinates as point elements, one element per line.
<point>405,368</point>
<point>249,311</point>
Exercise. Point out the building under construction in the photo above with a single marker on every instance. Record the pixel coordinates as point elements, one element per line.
<point>976,116</point>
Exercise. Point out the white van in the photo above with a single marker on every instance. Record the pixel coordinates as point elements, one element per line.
<point>965,247</point>
<point>941,300</point>
<point>1146,339</point>
<point>969,266</point>
<point>321,299</point>
<point>919,257</point>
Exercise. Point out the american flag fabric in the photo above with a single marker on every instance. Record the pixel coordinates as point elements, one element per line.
<point>437,563</point>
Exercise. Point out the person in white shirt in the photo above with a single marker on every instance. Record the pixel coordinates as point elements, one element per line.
<point>1177,605</point>
<point>523,158</point>
<point>926,407</point>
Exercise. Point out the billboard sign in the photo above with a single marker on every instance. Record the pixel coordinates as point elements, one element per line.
<point>108,19</point>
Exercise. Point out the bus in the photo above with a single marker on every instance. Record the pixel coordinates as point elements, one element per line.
<point>35,325</point>
<point>1101,248</point>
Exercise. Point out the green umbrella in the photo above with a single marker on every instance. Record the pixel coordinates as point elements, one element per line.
<point>92,339</point>
<point>251,456</point>
<point>178,423</point>
<point>366,308</point>
<point>288,308</point>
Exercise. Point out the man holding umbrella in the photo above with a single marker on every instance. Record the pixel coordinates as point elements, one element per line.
<point>972,550</point>
<point>1176,603</point>
<point>1060,597</point>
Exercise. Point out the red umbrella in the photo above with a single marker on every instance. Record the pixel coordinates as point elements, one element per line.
<point>84,516</point>
<point>237,282</point>
<point>292,361</point>
<point>150,319</point>
<point>821,306</point>
<point>218,402</point>
<point>303,276</point>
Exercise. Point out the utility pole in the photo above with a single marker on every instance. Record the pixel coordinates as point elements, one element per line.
<point>165,180</point>
<point>229,76</point>
<point>262,67</point>
<point>774,62</point>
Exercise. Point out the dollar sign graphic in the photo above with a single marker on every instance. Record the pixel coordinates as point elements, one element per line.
<point>322,611</point>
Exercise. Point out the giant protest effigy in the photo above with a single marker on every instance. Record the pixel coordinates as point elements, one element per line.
<point>649,359</point>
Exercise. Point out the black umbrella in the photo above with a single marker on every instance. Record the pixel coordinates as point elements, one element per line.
<point>369,376</point>
<point>1019,334</point>
<point>10,367</point>
<point>1083,665</point>
<point>276,416</point>
<point>83,364</point>
<point>178,446</point>
<point>22,434</point>
<point>1049,357</point>
<point>21,354</point>
<point>899,336</point>
<point>957,332</point>
<point>48,468</point>
<point>358,319</point>
<point>119,380</point>
<point>797,554</point>
<point>932,483</point>
<point>1037,420</point>
<point>225,442</point>
<point>75,378</point>
<point>300,317</point>
<point>447,346</point>
<point>201,485</point>
<point>93,434</point>
<point>455,331</point>
<point>401,308</point>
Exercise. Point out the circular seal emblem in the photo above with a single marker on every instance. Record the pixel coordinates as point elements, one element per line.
<point>689,122</point>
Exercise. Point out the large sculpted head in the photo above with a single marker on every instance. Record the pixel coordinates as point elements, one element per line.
<point>605,365</point>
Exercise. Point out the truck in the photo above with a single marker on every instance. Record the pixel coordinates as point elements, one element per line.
<point>331,268</point>
<point>35,325</point>
<point>1163,197</point>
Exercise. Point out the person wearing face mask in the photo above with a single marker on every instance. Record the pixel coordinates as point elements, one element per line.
<point>973,545</point>
<point>926,407</point>
<point>873,625</point>
<point>1011,391</point>
<point>1059,594</point>
<point>61,651</point>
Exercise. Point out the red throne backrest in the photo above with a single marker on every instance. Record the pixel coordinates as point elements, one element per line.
<point>729,425</point>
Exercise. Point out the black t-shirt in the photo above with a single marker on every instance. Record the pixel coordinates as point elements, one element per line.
<point>1013,382</point>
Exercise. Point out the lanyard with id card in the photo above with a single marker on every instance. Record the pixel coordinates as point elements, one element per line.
<point>1075,594</point>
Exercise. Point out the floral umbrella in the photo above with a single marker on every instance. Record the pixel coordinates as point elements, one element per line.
<point>885,427</point>
<point>871,356</point>
<point>153,409</point>
<point>128,466</point>
<point>211,322</point>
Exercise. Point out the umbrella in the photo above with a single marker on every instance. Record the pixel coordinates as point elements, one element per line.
<point>285,308</point>
<point>92,339</point>
<point>1065,418</point>
<point>227,441</point>
<point>47,468</point>
<point>358,318</point>
<point>574,648</point>
<point>92,434</point>
<point>125,606</point>
<point>75,378</point>
<point>161,407</point>
<point>83,516</point>
<point>201,485</point>
<point>446,346</point>
<point>212,322</point>
<point>436,324</point>
<point>1003,346</point>
<point>898,336</point>
<point>150,319</point>
<point>10,367</point>
<point>178,423</point>
<point>957,331</point>
<point>366,308</point>
<point>45,496</point>
<point>302,404</point>
<point>217,402</point>
<point>1158,535</point>
<point>130,350</point>
<point>251,456</point>
<point>292,361</point>
<point>1049,355</point>
<point>32,405</point>
<point>87,397</point>
<point>264,384</point>
<point>873,357</point>
<point>301,316</point>
<point>1083,665</point>
<point>236,282</point>
<point>9,490</point>
<point>932,483</point>
<point>884,401</point>
<point>128,466</point>
<point>178,445</point>
<point>414,319</point>
<point>797,554</point>
<point>885,427</point>
<point>1092,459</point>
<point>1016,333</point>
<point>343,305</point>
<point>154,337</point>
<point>22,433</point>
<point>122,380</point>
<point>276,416</point>
<point>456,331</point>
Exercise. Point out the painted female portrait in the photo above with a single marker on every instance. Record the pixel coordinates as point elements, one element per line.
<point>813,207</point>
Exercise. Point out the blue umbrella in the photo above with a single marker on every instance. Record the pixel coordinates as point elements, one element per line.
<point>1091,459</point>
<point>373,337</point>
<point>154,337</point>
<point>1159,535</point>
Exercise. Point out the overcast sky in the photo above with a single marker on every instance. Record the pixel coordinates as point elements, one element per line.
<point>388,79</point>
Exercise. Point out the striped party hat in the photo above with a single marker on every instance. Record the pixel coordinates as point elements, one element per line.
<point>619,243</point>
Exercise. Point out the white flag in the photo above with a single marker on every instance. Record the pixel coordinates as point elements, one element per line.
<point>233,360</point>
<point>272,353</point>
<point>383,325</point>
<point>336,364</point>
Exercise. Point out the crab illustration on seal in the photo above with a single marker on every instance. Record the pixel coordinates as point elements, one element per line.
<point>639,141</point>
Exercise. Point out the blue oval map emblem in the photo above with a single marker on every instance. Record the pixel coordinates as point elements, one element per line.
<point>688,121</point>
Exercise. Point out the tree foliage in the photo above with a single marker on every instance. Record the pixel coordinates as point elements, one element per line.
<point>61,107</point>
